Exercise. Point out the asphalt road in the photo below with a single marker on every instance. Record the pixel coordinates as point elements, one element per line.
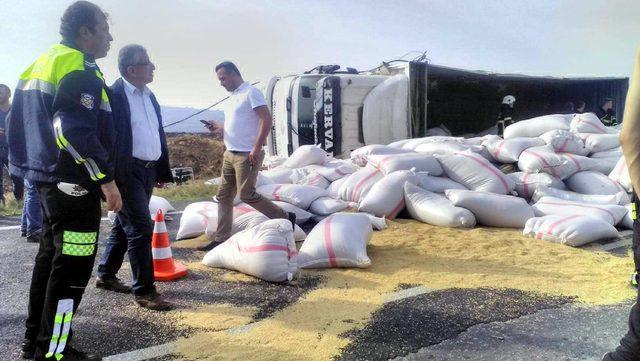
<point>452,324</point>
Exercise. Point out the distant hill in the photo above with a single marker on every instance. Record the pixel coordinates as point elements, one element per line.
<point>191,125</point>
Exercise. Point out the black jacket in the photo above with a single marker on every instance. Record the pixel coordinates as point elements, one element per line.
<point>124,139</point>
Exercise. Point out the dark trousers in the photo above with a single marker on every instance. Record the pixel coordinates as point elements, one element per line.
<point>132,231</point>
<point>629,349</point>
<point>62,267</point>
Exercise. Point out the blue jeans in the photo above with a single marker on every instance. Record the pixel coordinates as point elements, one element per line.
<point>31,211</point>
<point>131,232</point>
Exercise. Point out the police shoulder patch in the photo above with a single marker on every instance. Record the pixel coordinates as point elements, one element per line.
<point>87,100</point>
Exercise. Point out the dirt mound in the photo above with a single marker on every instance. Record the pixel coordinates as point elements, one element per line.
<point>199,151</point>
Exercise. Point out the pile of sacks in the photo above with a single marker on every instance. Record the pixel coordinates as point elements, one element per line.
<point>560,178</point>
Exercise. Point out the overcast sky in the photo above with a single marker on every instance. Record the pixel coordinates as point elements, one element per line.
<point>187,38</point>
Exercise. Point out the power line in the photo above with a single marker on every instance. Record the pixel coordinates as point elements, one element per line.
<point>201,111</point>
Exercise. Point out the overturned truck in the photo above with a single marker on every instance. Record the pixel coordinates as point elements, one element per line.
<point>344,110</point>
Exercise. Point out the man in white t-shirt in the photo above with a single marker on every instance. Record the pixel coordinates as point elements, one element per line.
<point>246,127</point>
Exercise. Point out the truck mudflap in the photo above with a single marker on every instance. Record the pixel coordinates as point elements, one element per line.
<point>327,127</point>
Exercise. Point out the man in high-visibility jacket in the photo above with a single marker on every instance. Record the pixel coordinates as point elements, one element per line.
<point>60,135</point>
<point>629,348</point>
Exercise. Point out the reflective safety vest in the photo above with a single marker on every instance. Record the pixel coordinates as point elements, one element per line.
<point>60,126</point>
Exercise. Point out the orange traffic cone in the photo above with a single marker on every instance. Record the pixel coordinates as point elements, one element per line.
<point>164,268</point>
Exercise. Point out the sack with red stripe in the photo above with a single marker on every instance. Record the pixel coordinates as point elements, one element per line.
<point>537,126</point>
<point>432,208</point>
<point>620,174</point>
<point>315,180</point>
<point>572,230</point>
<point>306,155</point>
<point>298,195</point>
<point>334,187</point>
<point>494,210</point>
<point>609,213</point>
<point>528,183</point>
<point>359,156</point>
<point>339,240</point>
<point>573,163</point>
<point>386,197</point>
<point>357,185</point>
<point>600,142</point>
<point>436,184</point>
<point>590,182</point>
<point>508,150</point>
<point>276,176</point>
<point>589,123</point>
<point>564,141</point>
<point>395,162</point>
<point>539,159</point>
<point>618,198</point>
<point>266,251</point>
<point>475,172</point>
<point>255,218</point>
<point>336,169</point>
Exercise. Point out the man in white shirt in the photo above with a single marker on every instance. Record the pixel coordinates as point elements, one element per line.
<point>141,162</point>
<point>247,123</point>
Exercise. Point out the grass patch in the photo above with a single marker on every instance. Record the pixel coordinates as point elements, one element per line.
<point>11,207</point>
<point>194,190</point>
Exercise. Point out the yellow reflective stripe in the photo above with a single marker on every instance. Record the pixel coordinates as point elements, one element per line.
<point>634,211</point>
<point>37,84</point>
<point>54,65</point>
<point>61,327</point>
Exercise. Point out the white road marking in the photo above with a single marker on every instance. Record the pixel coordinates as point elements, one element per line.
<point>7,228</point>
<point>145,353</point>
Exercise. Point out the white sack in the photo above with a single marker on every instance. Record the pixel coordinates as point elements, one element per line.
<point>611,153</point>
<point>357,185</point>
<point>306,155</point>
<point>336,169</point>
<point>618,198</point>
<point>610,213</point>
<point>528,183</point>
<point>386,197</point>
<point>600,142</point>
<point>535,127</point>
<point>590,182</point>
<point>339,240</point>
<point>436,184</point>
<point>448,147</point>
<point>627,220</point>
<point>359,156</point>
<point>432,208</point>
<point>277,176</point>
<point>540,159</point>
<point>395,162</point>
<point>415,142</point>
<point>328,205</point>
<point>399,143</point>
<point>156,203</point>
<point>475,172</point>
<point>192,223</point>
<point>605,165</point>
<point>572,230</point>
<point>334,187</point>
<point>564,141</point>
<point>298,195</point>
<point>508,151</point>
<point>494,210</point>
<point>589,123</point>
<point>315,180</point>
<point>255,218</point>
<point>266,251</point>
<point>620,174</point>
<point>378,223</point>
<point>301,215</point>
<point>385,109</point>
